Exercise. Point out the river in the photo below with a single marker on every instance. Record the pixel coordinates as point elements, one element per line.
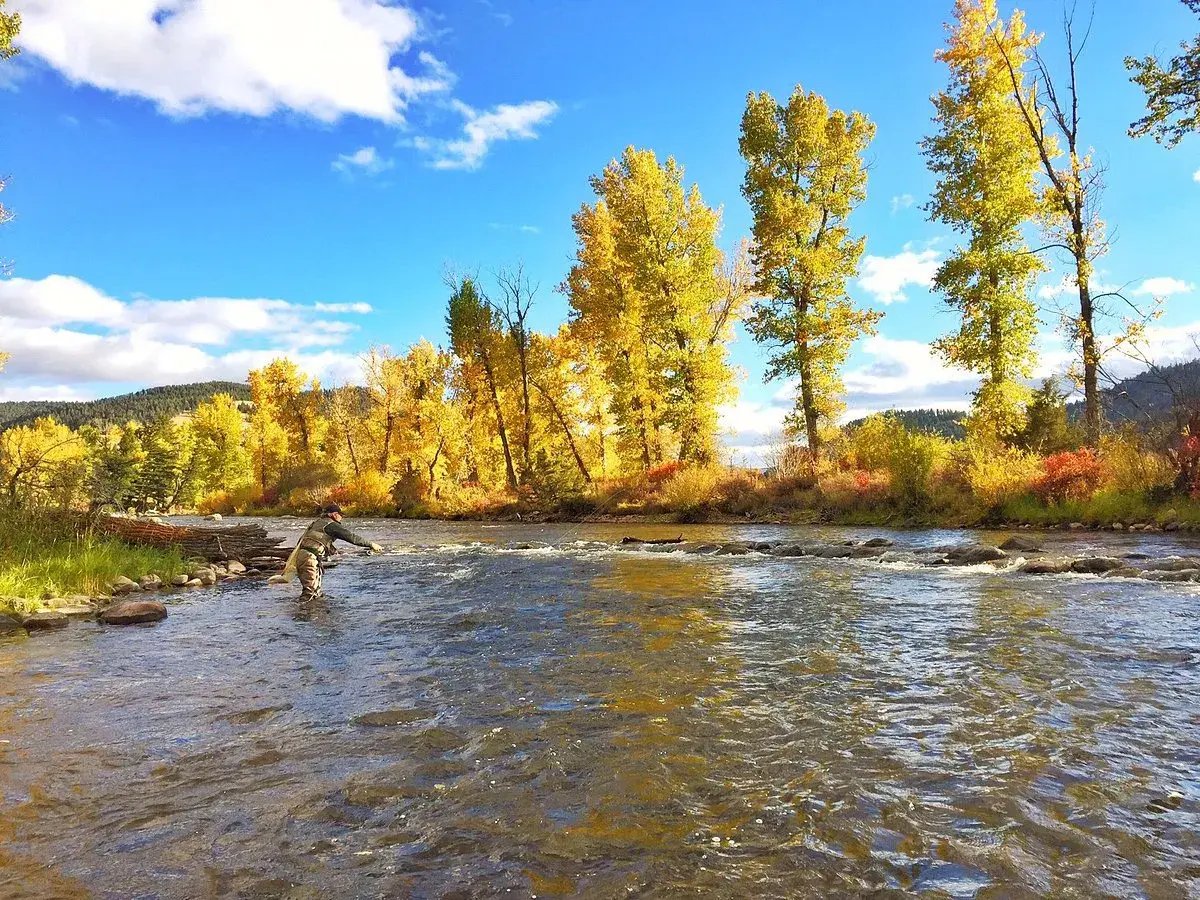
<point>473,714</point>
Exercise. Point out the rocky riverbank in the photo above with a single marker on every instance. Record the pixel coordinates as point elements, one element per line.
<point>128,601</point>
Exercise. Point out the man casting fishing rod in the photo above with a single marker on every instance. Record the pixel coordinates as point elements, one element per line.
<point>317,543</point>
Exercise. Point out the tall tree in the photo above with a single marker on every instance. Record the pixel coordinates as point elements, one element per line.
<point>646,284</point>
<point>293,401</point>
<point>475,334</point>
<point>987,168</point>
<point>804,177</point>
<point>1172,91</point>
<point>219,426</point>
<point>10,24</point>
<point>1074,184</point>
<point>517,293</point>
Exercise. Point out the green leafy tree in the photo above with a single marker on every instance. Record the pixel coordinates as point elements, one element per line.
<point>986,168</point>
<point>1172,91</point>
<point>476,337</point>
<point>219,427</point>
<point>804,176</point>
<point>1047,428</point>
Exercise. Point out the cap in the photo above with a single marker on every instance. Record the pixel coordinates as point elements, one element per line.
<point>331,508</point>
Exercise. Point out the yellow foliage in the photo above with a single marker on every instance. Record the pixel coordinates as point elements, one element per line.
<point>997,474</point>
<point>690,488</point>
<point>1128,466</point>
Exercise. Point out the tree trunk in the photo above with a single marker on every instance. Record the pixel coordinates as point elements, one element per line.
<point>1091,360</point>
<point>808,402</point>
<point>509,472</point>
<point>385,453</point>
<point>562,421</point>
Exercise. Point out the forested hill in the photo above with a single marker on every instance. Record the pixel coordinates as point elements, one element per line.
<point>946,422</point>
<point>140,406</point>
<point>1149,396</point>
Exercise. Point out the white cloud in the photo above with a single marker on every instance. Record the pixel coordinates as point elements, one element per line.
<point>318,58</point>
<point>1196,176</point>
<point>902,201</point>
<point>505,122</point>
<point>886,277</point>
<point>9,392</point>
<point>365,160</point>
<point>61,328</point>
<point>1163,286</point>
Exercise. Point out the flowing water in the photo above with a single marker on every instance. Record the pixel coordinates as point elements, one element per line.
<point>474,714</point>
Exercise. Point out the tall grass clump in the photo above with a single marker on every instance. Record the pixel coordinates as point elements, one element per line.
<point>47,555</point>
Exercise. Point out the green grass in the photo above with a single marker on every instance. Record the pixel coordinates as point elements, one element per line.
<point>50,556</point>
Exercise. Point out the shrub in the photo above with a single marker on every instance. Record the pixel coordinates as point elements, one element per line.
<point>660,474</point>
<point>690,489</point>
<point>1129,466</point>
<point>1071,475</point>
<point>996,474</point>
<point>368,493</point>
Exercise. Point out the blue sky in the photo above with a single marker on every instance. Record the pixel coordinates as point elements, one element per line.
<point>201,184</point>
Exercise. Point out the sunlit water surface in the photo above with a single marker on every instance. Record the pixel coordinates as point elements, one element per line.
<point>460,718</point>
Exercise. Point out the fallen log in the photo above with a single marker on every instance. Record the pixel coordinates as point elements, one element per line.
<point>636,540</point>
<point>240,542</point>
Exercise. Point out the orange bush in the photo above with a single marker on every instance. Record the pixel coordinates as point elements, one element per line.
<point>1071,475</point>
<point>660,474</point>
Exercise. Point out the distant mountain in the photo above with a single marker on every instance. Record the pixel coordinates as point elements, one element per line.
<point>946,422</point>
<point>140,406</point>
<point>1149,396</point>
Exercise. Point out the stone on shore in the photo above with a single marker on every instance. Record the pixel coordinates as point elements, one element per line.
<point>45,619</point>
<point>180,580</point>
<point>150,582</point>
<point>276,579</point>
<point>133,612</point>
<point>215,517</point>
<point>123,585</point>
<point>233,567</point>
<point>9,623</point>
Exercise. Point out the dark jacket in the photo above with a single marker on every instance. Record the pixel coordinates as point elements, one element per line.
<point>318,538</point>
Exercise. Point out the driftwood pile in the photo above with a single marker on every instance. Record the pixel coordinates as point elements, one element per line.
<point>248,544</point>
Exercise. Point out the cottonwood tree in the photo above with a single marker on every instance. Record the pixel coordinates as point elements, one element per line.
<point>295,403</point>
<point>646,288</point>
<point>40,463</point>
<point>986,167</point>
<point>804,177</point>
<point>1172,91</point>
<point>1073,185</point>
<point>219,426</point>
<point>517,294</point>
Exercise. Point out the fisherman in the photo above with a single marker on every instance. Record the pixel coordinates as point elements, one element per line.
<point>317,543</point>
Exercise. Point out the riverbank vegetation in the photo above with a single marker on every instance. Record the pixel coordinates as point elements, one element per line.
<point>617,411</point>
<point>45,555</point>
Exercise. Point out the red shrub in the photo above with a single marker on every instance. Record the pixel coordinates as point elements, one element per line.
<point>1189,464</point>
<point>662,473</point>
<point>1071,475</point>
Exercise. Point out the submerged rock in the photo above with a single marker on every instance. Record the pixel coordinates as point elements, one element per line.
<point>390,717</point>
<point>878,542</point>
<point>1046,567</point>
<point>133,612</point>
<point>734,548</point>
<point>44,620</point>
<point>1178,575</point>
<point>1021,545</point>
<point>1096,565</point>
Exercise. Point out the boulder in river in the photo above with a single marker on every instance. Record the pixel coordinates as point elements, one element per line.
<point>1096,565</point>
<point>877,542</point>
<point>1046,567</point>
<point>43,620</point>
<point>971,556</point>
<point>133,612</point>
